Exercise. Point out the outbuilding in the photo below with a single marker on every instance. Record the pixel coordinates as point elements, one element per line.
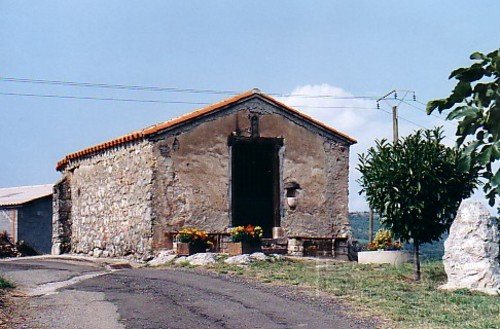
<point>249,159</point>
<point>26,215</point>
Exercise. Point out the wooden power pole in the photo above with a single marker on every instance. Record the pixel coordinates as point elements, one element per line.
<point>395,137</point>
<point>395,131</point>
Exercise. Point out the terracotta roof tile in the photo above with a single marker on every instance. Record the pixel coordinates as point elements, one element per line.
<point>191,116</point>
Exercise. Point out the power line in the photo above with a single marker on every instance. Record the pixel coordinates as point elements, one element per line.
<point>157,101</point>
<point>434,115</point>
<point>117,86</point>
<point>188,90</point>
<point>413,123</point>
<point>101,98</point>
<point>163,89</point>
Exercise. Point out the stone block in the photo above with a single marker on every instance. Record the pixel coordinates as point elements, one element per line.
<point>471,258</point>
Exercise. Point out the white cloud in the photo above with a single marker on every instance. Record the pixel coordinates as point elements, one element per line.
<point>366,124</point>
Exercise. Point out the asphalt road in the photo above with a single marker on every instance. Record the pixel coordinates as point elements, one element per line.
<point>164,298</point>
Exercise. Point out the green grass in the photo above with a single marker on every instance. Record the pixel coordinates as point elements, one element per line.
<point>384,291</point>
<point>4,284</point>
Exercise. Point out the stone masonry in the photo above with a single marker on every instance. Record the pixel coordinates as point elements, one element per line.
<point>111,202</point>
<point>131,197</point>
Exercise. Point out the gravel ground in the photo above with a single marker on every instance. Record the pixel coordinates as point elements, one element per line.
<point>172,298</point>
<point>167,298</point>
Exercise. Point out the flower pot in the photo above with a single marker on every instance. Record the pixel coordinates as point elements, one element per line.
<point>244,247</point>
<point>393,257</point>
<point>188,248</point>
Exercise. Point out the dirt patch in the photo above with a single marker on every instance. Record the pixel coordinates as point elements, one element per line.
<point>12,310</point>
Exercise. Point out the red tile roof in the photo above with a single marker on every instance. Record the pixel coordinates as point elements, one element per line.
<point>191,116</point>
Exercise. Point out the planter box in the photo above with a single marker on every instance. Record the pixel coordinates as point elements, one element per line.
<point>240,248</point>
<point>393,257</point>
<point>188,249</point>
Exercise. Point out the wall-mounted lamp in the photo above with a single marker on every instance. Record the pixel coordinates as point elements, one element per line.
<point>291,194</point>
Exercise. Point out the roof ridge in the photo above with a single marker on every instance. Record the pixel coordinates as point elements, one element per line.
<point>153,129</point>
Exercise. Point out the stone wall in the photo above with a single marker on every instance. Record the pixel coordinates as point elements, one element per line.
<point>61,216</point>
<point>191,185</point>
<point>111,202</point>
<point>130,198</point>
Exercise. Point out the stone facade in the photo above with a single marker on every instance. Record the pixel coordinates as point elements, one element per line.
<point>129,198</point>
<point>111,202</point>
<point>61,217</point>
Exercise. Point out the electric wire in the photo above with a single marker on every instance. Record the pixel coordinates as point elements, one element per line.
<point>164,89</point>
<point>157,101</point>
<point>432,114</point>
<point>190,90</point>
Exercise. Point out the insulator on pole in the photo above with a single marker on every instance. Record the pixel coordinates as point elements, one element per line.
<point>378,106</point>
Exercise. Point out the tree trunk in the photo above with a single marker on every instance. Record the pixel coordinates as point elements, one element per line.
<point>416,261</point>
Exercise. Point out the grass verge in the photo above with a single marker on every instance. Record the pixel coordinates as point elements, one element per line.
<point>4,284</point>
<point>383,291</point>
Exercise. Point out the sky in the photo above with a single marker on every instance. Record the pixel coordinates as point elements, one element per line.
<point>293,48</point>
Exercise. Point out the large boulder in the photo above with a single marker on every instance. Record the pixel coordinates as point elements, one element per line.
<point>471,258</point>
<point>246,259</point>
<point>202,259</point>
<point>164,257</point>
<point>238,260</point>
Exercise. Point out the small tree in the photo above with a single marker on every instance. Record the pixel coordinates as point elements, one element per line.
<point>475,103</point>
<point>416,185</point>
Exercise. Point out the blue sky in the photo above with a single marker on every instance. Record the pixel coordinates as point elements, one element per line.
<point>325,47</point>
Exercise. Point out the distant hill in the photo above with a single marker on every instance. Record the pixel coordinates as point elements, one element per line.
<point>360,227</point>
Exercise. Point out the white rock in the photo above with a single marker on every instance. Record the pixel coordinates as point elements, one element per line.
<point>180,260</point>
<point>162,259</point>
<point>167,252</point>
<point>56,249</point>
<point>202,259</point>
<point>238,260</point>
<point>259,256</point>
<point>97,252</point>
<point>276,257</point>
<point>472,250</point>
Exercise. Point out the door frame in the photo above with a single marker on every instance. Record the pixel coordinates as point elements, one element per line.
<point>277,174</point>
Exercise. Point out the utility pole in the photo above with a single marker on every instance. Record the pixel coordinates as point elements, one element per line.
<point>395,135</point>
<point>370,233</point>
<point>395,129</point>
<point>386,98</point>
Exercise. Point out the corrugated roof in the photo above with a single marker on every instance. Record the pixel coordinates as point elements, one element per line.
<point>192,116</point>
<point>14,196</point>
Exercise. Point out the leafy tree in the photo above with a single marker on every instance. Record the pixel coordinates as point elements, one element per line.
<point>475,102</point>
<point>416,186</point>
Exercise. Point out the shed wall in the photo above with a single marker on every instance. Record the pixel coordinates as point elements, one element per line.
<point>127,199</point>
<point>35,224</point>
<point>191,185</point>
<point>111,202</point>
<point>8,222</point>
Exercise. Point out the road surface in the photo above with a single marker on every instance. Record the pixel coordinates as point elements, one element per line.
<point>74,294</point>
